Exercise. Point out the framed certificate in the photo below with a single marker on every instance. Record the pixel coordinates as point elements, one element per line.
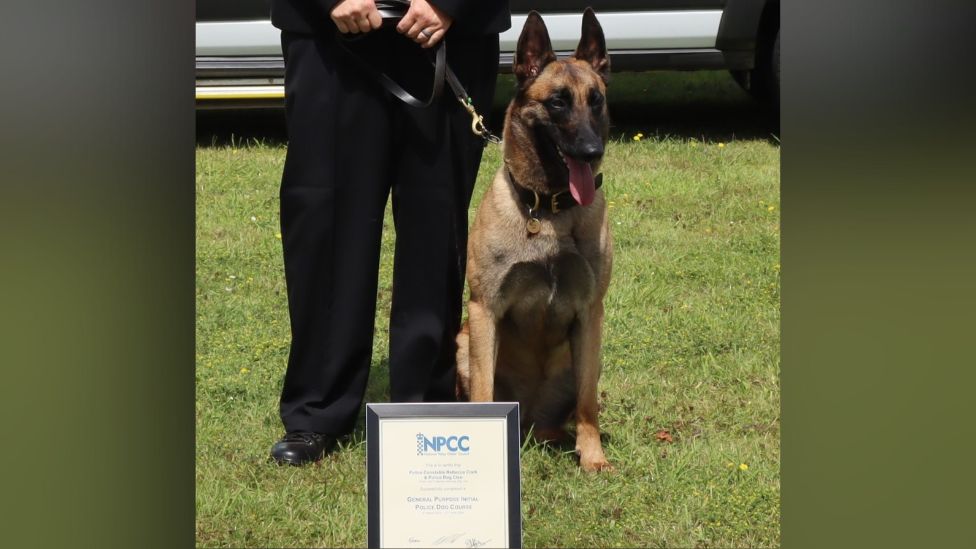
<point>443,475</point>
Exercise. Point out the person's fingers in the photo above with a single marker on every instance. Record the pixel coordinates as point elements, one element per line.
<point>424,35</point>
<point>407,22</point>
<point>375,21</point>
<point>363,24</point>
<point>341,25</point>
<point>414,32</point>
<point>435,37</point>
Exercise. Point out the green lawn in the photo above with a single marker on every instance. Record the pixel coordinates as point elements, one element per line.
<point>691,346</point>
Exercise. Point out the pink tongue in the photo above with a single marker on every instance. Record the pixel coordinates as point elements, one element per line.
<point>581,181</point>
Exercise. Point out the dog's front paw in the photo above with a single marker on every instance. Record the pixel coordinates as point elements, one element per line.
<point>591,456</point>
<point>596,465</point>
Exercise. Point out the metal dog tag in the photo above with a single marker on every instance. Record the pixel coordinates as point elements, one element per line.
<point>533,225</point>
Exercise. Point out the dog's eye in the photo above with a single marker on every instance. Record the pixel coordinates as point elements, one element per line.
<point>556,103</point>
<point>596,99</point>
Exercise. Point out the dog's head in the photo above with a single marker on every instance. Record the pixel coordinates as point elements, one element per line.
<point>557,125</point>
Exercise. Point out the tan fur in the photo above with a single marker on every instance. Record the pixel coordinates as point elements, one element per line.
<point>535,313</point>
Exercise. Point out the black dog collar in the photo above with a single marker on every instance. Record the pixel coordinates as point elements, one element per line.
<point>554,203</point>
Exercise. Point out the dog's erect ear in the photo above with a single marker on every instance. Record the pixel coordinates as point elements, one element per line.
<point>534,49</point>
<point>592,47</point>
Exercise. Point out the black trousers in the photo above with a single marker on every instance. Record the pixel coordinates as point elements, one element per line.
<point>350,146</point>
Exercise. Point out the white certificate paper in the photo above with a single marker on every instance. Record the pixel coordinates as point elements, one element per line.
<point>443,481</point>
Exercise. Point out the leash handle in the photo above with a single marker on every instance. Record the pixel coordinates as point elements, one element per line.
<point>440,67</point>
<point>392,11</point>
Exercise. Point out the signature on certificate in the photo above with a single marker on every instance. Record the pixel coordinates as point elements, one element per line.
<point>450,538</point>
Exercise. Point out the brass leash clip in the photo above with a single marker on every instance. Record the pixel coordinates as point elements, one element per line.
<point>478,122</point>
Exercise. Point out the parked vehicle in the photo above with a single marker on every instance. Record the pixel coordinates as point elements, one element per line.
<point>239,62</point>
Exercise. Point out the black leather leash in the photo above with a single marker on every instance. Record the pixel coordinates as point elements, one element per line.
<point>391,11</point>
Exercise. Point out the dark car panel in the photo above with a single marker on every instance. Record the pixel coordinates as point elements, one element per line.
<point>232,10</point>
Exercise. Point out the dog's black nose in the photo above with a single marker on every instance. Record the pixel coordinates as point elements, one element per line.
<point>589,152</point>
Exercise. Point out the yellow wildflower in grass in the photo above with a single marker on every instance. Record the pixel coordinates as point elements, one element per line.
<point>638,136</point>
<point>721,145</point>
<point>278,236</point>
<point>770,208</point>
<point>743,467</point>
<point>245,370</point>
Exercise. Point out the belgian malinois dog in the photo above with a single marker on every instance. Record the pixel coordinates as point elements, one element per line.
<point>539,252</point>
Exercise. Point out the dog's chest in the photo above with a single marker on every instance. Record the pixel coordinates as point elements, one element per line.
<point>547,293</point>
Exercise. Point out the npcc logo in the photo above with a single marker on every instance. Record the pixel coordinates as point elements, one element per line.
<point>443,444</point>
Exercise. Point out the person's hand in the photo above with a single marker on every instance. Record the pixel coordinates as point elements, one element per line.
<point>355,16</point>
<point>424,23</point>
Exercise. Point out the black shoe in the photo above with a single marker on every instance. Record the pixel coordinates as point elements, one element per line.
<point>301,447</point>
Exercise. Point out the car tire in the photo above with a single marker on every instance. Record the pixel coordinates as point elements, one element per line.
<point>762,82</point>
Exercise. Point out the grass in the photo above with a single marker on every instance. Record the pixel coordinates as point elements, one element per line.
<point>691,346</point>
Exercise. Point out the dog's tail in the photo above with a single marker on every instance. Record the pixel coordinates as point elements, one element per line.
<point>463,388</point>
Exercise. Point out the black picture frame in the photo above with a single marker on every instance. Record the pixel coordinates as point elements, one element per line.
<point>377,412</point>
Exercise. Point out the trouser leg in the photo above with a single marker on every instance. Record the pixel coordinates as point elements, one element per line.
<point>333,194</point>
<point>436,161</point>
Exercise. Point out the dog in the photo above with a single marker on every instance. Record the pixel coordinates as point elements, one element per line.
<point>540,250</point>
